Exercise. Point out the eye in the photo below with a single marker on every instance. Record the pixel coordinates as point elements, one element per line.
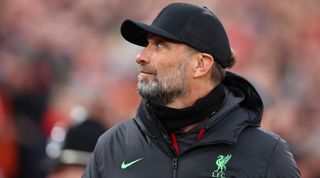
<point>159,44</point>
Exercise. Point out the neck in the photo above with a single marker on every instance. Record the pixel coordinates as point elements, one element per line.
<point>189,117</point>
<point>192,95</point>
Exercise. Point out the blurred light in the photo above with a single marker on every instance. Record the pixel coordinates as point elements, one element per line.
<point>53,150</point>
<point>58,134</point>
<point>78,114</point>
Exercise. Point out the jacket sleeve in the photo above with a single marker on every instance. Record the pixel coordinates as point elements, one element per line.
<point>281,163</point>
<point>94,165</point>
<point>91,170</point>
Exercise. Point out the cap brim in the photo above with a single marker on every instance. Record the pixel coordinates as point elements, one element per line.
<point>137,33</point>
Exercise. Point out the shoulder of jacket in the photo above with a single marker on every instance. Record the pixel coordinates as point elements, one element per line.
<point>263,134</point>
<point>259,137</point>
<point>117,131</point>
<point>281,162</point>
<point>113,140</point>
<point>116,134</point>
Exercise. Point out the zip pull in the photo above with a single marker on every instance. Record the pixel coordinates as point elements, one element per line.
<point>174,167</point>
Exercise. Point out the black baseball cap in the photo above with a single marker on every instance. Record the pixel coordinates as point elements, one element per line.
<point>185,23</point>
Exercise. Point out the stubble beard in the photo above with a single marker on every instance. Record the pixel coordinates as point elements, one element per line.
<point>162,91</point>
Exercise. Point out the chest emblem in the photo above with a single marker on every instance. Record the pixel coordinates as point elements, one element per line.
<point>126,165</point>
<point>221,166</point>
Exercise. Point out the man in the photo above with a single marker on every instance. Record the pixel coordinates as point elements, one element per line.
<point>195,119</point>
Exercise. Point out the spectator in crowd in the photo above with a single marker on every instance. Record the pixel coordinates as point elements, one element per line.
<point>79,142</point>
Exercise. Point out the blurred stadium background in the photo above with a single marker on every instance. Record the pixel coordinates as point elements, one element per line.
<point>64,60</point>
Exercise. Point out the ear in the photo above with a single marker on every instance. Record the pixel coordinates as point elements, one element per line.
<point>203,65</point>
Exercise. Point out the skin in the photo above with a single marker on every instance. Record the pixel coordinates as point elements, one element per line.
<point>160,58</point>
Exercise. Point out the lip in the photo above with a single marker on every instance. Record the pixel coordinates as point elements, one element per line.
<point>145,72</point>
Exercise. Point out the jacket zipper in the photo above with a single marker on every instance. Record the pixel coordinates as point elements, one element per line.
<point>175,167</point>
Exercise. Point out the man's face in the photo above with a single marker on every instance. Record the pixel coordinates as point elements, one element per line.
<point>164,70</point>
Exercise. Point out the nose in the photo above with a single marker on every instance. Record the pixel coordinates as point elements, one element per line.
<point>142,57</point>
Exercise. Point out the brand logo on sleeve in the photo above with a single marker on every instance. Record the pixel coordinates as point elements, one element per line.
<point>126,165</point>
<point>221,166</point>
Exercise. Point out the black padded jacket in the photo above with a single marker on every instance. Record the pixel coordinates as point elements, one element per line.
<point>232,146</point>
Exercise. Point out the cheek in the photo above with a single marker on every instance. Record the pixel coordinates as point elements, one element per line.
<point>167,66</point>
<point>189,70</point>
<point>165,71</point>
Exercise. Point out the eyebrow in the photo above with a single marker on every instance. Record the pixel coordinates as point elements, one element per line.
<point>157,38</point>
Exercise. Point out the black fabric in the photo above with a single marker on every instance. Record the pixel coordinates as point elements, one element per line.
<point>195,26</point>
<point>186,139</point>
<point>83,137</point>
<point>173,119</point>
<point>233,130</point>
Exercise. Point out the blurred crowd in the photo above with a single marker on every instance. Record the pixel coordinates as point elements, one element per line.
<point>63,61</point>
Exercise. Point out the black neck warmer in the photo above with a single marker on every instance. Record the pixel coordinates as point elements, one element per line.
<point>173,119</point>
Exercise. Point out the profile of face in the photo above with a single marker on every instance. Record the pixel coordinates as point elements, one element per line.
<point>68,171</point>
<point>164,70</point>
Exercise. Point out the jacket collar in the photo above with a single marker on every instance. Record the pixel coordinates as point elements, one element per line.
<point>225,125</point>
